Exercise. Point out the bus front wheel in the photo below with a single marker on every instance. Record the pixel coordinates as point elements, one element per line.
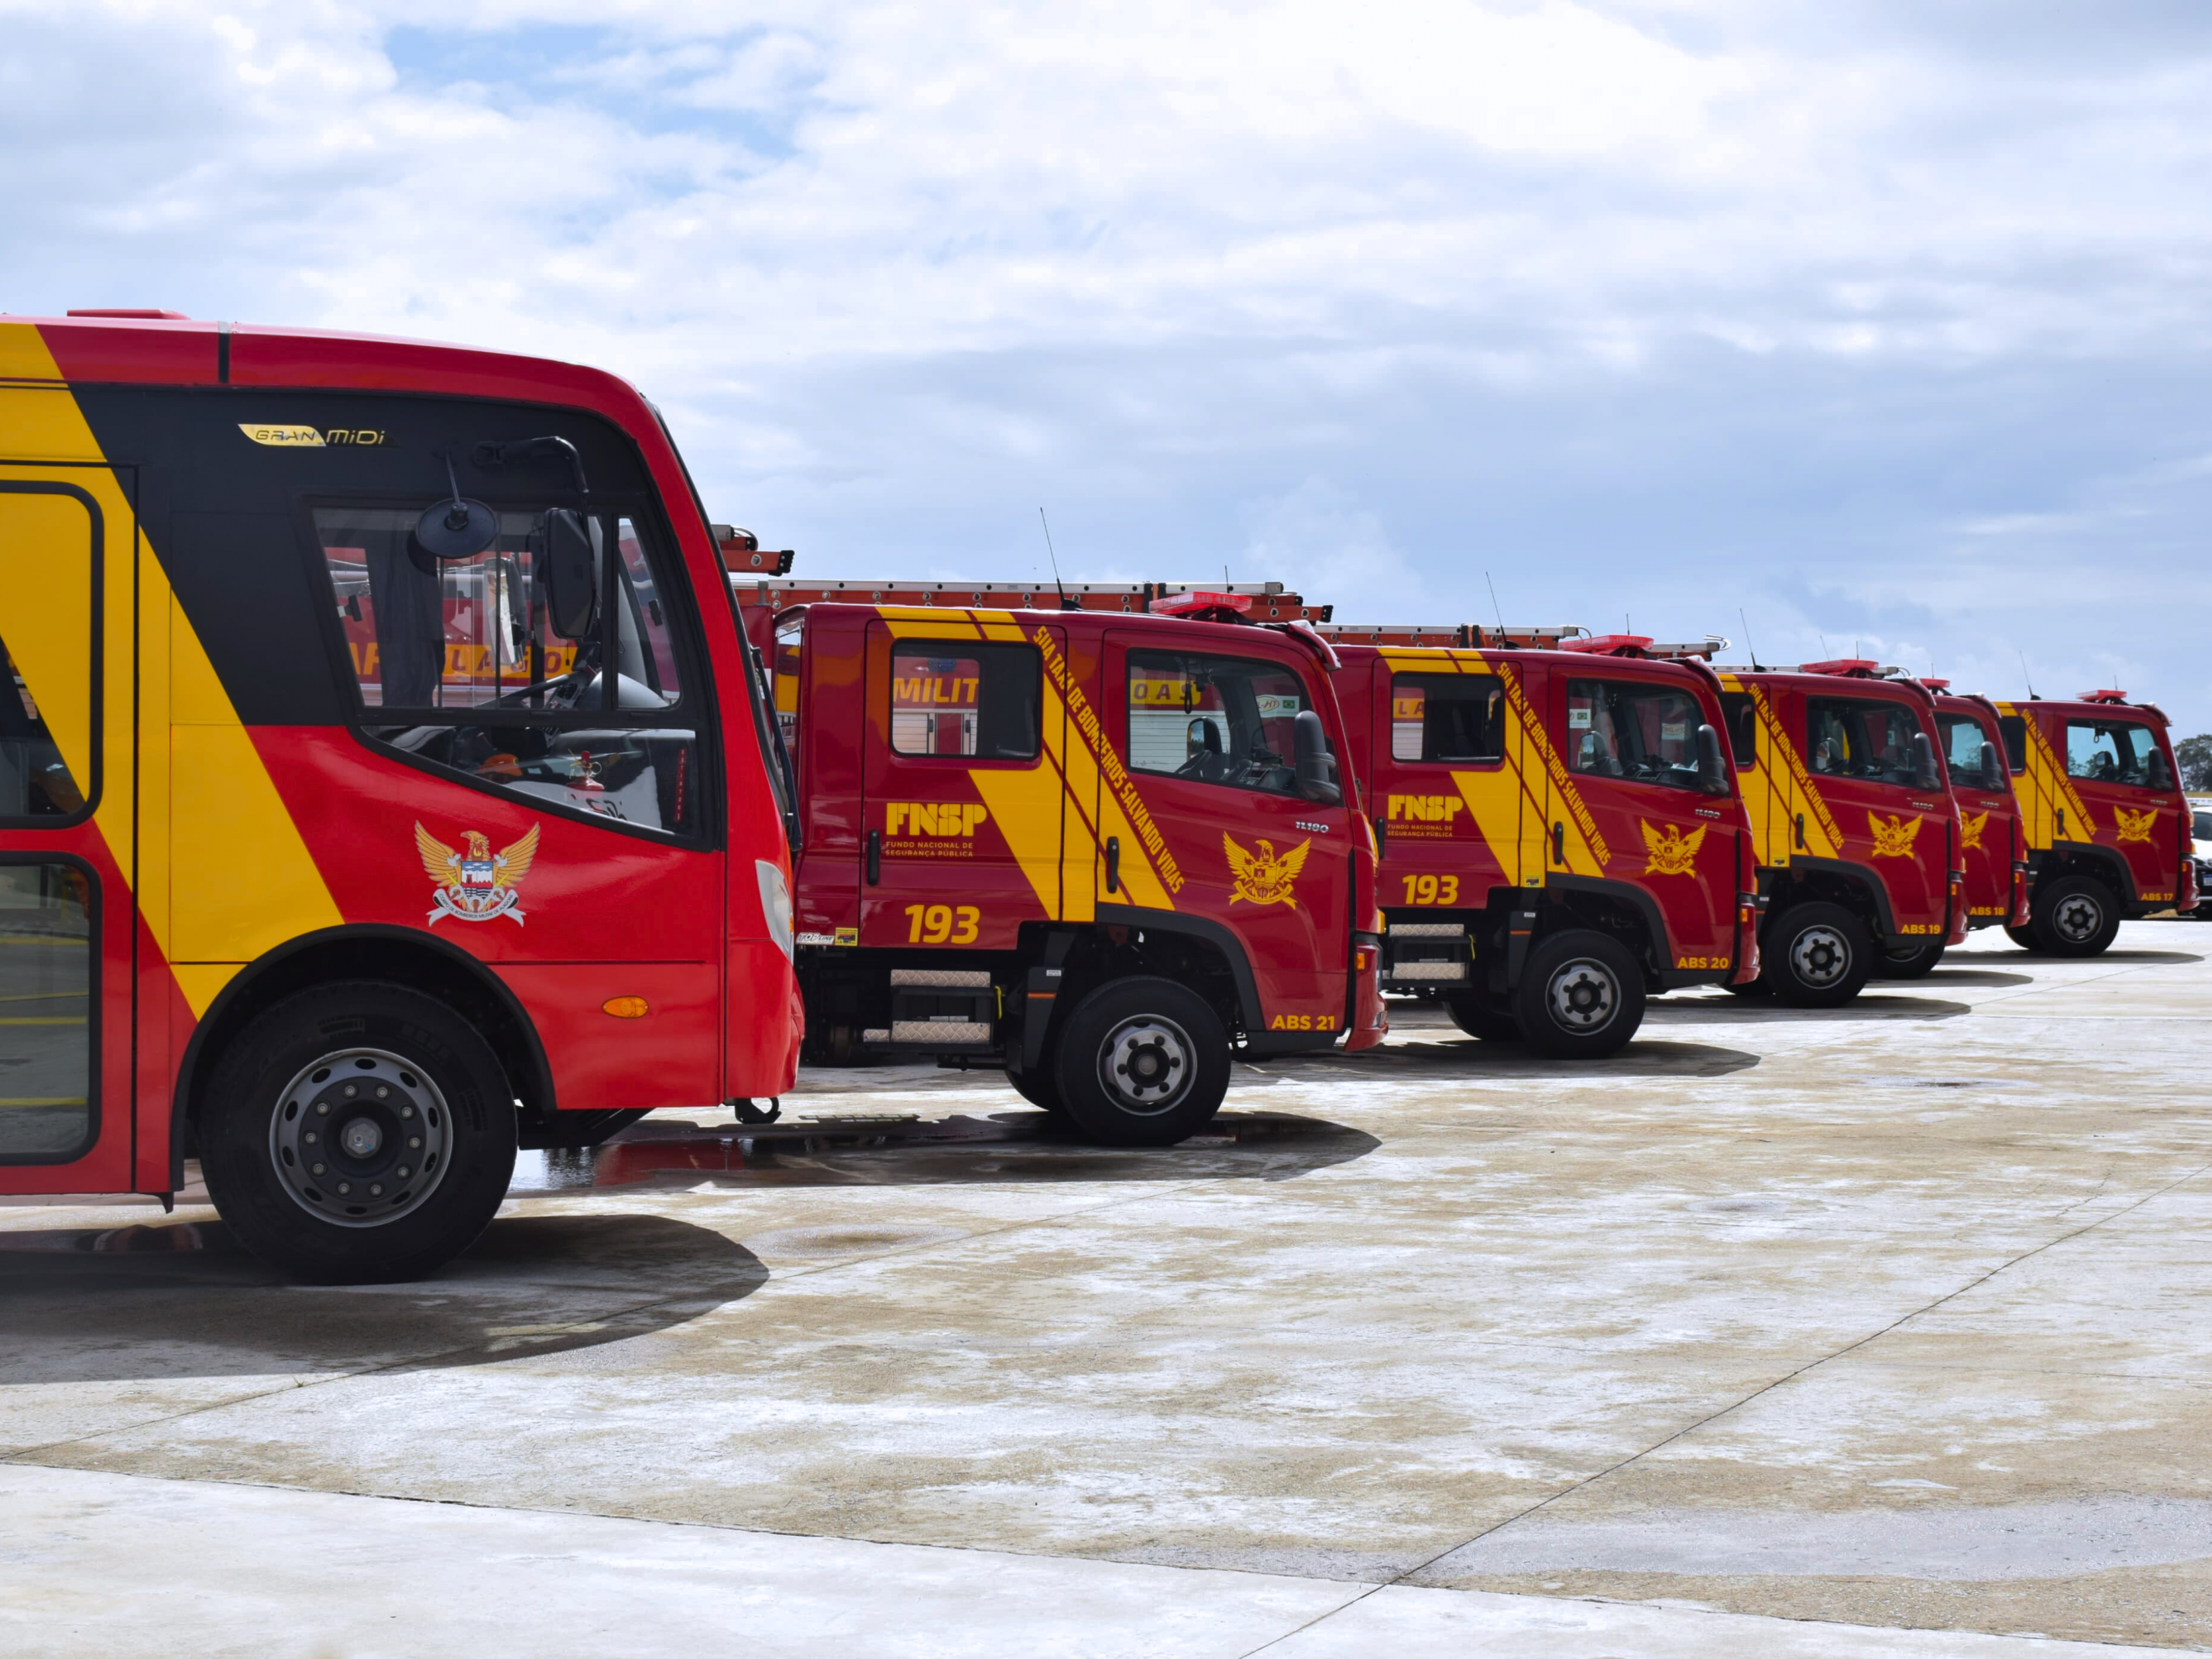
<point>358,1134</point>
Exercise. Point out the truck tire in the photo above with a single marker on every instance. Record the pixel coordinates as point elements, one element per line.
<point>1581,995</point>
<point>358,1134</point>
<point>1817,956</point>
<point>1477,1017</point>
<point>1142,1062</point>
<point>2023,937</point>
<point>1907,962</point>
<point>1036,1087</point>
<point>2074,916</point>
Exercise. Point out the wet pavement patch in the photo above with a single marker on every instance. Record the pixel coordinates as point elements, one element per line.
<point>1005,1146</point>
<point>183,1300</point>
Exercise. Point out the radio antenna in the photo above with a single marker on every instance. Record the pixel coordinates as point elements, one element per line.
<point>1048,553</point>
<point>1497,609</point>
<point>1747,645</point>
<point>2025,675</point>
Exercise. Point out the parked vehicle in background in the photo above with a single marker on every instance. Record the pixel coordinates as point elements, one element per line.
<point>1103,848</point>
<point>2108,833</point>
<point>1992,850</point>
<point>1853,830</point>
<point>2200,854</point>
<point>383,781</point>
<point>1560,832</point>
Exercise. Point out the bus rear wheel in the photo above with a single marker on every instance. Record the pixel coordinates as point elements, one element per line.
<point>1581,996</point>
<point>2074,916</point>
<point>1817,955</point>
<point>358,1134</point>
<point>1142,1062</point>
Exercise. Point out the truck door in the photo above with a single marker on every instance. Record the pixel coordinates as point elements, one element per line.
<point>1985,815</point>
<point>1861,754</point>
<point>963,803</point>
<point>1449,808</point>
<point>1631,741</point>
<point>2119,771</point>
<point>67,914</point>
<point>1207,820</point>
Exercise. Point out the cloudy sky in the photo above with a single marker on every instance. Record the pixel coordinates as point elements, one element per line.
<point>1886,322</point>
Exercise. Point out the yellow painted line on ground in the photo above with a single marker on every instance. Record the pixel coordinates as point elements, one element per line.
<point>44,1019</point>
<point>40,938</point>
<point>46,996</point>
<point>75,1100</point>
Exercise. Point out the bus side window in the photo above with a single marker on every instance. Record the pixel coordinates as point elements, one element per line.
<point>2014,730</point>
<point>1742,717</point>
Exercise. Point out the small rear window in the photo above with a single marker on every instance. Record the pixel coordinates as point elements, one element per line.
<point>964,699</point>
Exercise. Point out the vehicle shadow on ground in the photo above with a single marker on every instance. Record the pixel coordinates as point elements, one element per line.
<point>2129,956</point>
<point>1445,1059</point>
<point>1736,1011</point>
<point>183,1299</point>
<point>1975,976</point>
<point>892,1148</point>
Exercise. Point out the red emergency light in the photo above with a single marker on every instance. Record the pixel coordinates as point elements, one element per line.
<point>1937,686</point>
<point>2106,695</point>
<point>1610,645</point>
<point>1200,604</point>
<point>1863,668</point>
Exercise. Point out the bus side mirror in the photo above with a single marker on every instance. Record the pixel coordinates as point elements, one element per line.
<point>1316,766</point>
<point>1993,772</point>
<point>567,550</point>
<point>1712,763</point>
<point>1924,774</point>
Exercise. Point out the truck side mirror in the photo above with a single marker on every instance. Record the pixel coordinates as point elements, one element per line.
<point>1924,774</point>
<point>1712,763</point>
<point>1316,766</point>
<point>1993,772</point>
<point>567,550</point>
<point>2161,775</point>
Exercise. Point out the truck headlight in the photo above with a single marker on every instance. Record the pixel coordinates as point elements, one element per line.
<point>775,904</point>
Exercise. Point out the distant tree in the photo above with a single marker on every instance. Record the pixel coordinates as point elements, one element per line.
<point>2194,756</point>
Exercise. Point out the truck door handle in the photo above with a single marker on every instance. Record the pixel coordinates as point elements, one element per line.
<point>1801,832</point>
<point>2061,824</point>
<point>1113,864</point>
<point>1558,843</point>
<point>875,856</point>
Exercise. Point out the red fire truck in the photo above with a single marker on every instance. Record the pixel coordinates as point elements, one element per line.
<point>1560,829</point>
<point>2103,818</point>
<point>1854,828</point>
<point>383,781</point>
<point>1993,852</point>
<point>1102,844</point>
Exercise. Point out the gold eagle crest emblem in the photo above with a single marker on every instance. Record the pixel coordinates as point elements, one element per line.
<point>1893,837</point>
<point>2135,826</point>
<point>1970,825</point>
<point>1261,878</point>
<point>1673,853</point>
<point>475,883</point>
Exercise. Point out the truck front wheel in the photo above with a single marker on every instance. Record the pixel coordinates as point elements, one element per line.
<point>1142,1062</point>
<point>1478,1016</point>
<point>2074,916</point>
<point>1581,996</point>
<point>1909,961</point>
<point>358,1134</point>
<point>1817,956</point>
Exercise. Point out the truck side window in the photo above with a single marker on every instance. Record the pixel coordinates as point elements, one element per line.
<point>1741,714</point>
<point>1447,717</point>
<point>1215,719</point>
<point>1860,737</point>
<point>2110,751</point>
<point>35,782</point>
<point>1963,737</point>
<point>458,664</point>
<point>957,697</point>
<point>2014,730</point>
<point>1634,729</point>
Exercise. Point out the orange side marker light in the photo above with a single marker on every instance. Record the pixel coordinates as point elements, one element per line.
<point>625,1007</point>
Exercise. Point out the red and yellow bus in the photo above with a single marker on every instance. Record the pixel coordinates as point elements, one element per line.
<point>386,781</point>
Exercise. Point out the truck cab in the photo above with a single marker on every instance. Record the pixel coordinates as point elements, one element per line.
<point>1854,829</point>
<point>383,781</point>
<point>1103,848</point>
<point>1560,832</point>
<point>2105,826</point>
<point>1992,845</point>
